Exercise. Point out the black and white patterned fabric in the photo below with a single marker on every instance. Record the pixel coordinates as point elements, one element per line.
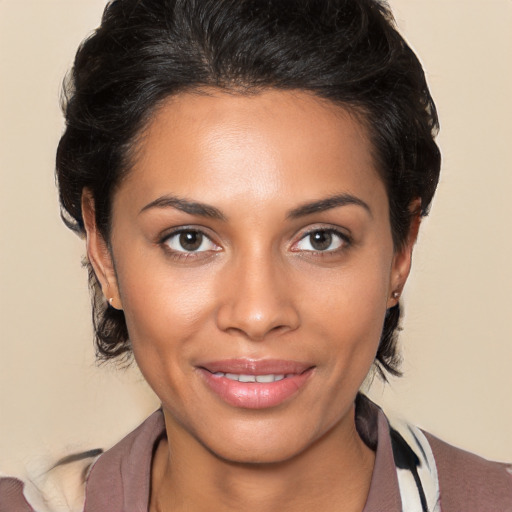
<point>415,467</point>
<point>62,488</point>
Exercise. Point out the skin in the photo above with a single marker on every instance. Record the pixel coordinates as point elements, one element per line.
<point>256,289</point>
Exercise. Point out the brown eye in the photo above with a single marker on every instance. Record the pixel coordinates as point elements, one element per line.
<point>320,240</point>
<point>189,240</point>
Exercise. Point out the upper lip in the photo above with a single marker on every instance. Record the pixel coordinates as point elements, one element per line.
<point>256,367</point>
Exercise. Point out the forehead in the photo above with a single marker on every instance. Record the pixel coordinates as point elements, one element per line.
<point>221,145</point>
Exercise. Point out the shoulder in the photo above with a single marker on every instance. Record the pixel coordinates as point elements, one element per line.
<point>12,498</point>
<point>103,481</point>
<point>465,478</point>
<point>451,479</point>
<point>120,478</point>
<point>57,489</point>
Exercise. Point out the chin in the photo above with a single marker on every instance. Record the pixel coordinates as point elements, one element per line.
<point>257,454</point>
<point>258,444</point>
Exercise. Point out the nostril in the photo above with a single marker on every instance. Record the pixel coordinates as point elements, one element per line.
<point>255,334</point>
<point>279,329</point>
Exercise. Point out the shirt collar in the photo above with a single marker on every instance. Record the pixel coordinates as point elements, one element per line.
<point>119,481</point>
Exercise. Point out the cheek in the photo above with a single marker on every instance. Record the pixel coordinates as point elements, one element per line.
<point>347,314</point>
<point>354,296</point>
<point>352,329</point>
<point>166,314</point>
<point>163,307</point>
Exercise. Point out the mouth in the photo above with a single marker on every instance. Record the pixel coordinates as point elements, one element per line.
<point>255,384</point>
<point>262,379</point>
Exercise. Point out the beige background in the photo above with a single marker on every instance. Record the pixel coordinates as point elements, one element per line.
<point>458,330</point>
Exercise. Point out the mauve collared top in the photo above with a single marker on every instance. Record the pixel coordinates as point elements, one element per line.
<point>119,481</point>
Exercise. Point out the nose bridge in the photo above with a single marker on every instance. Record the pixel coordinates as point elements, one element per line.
<point>259,300</point>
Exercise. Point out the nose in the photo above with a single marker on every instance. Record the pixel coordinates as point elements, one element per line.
<point>257,300</point>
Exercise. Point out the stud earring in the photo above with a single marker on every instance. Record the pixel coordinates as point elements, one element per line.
<point>395,295</point>
<point>111,300</point>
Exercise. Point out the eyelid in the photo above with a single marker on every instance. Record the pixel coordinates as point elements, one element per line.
<point>335,230</point>
<point>167,235</point>
<point>342,233</point>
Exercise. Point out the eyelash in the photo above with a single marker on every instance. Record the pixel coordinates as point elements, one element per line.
<point>184,254</point>
<point>345,242</point>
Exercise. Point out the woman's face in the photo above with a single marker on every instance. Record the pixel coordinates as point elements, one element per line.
<point>254,262</point>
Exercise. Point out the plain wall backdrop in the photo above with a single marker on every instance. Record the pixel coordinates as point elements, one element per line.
<point>457,338</point>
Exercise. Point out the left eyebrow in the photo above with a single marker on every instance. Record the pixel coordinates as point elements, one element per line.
<point>184,205</point>
<point>327,204</point>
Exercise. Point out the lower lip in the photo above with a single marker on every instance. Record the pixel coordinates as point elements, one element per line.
<point>253,395</point>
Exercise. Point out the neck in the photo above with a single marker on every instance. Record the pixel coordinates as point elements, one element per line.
<point>332,474</point>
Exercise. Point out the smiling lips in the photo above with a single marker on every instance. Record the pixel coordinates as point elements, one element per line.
<point>255,384</point>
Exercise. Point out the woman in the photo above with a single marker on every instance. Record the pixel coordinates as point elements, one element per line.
<point>250,178</point>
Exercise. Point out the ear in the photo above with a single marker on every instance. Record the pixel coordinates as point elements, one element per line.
<point>98,252</point>
<point>402,259</point>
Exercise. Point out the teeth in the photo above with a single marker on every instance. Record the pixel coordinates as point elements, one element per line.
<point>247,378</point>
<point>264,379</point>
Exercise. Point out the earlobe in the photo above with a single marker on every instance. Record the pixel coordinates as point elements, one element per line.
<point>402,259</point>
<point>98,252</point>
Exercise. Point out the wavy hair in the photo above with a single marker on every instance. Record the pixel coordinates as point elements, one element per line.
<point>346,51</point>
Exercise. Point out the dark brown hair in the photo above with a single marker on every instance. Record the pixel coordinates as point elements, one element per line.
<point>347,51</point>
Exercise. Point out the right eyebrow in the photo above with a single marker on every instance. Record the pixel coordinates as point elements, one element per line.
<point>187,206</point>
<point>328,203</point>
